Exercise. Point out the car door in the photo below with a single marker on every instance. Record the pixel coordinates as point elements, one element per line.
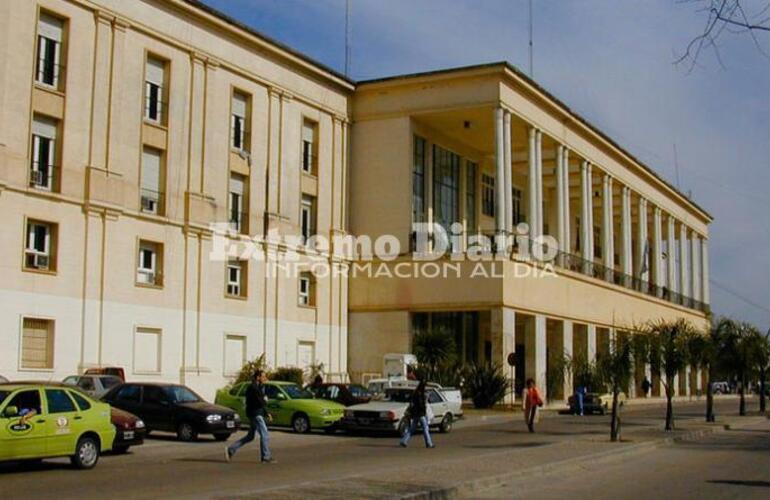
<point>438,405</point>
<point>22,437</point>
<point>158,413</point>
<point>63,422</point>
<point>276,406</point>
<point>128,398</point>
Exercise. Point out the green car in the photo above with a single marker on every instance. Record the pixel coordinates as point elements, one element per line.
<point>289,404</point>
<point>45,421</point>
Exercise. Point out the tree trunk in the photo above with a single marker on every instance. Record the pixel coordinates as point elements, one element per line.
<point>615,421</point>
<point>762,391</point>
<point>710,396</point>
<point>669,408</point>
<point>742,392</point>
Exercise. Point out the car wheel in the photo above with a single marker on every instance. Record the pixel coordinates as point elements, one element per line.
<point>120,450</point>
<point>446,424</point>
<point>222,436</point>
<point>186,432</point>
<point>86,453</point>
<point>300,424</point>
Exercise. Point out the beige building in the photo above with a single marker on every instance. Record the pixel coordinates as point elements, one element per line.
<point>486,149</point>
<point>128,128</point>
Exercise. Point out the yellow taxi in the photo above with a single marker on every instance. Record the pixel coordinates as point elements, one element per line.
<point>43,421</point>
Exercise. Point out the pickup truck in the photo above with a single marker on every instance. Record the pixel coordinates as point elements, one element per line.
<point>387,412</point>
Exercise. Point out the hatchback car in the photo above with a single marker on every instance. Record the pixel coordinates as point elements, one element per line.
<point>174,408</point>
<point>43,421</point>
<point>93,385</point>
<point>289,404</point>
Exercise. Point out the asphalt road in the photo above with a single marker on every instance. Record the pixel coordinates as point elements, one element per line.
<point>165,468</point>
<point>733,464</point>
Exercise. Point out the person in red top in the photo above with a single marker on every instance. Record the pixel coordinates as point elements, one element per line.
<point>531,401</point>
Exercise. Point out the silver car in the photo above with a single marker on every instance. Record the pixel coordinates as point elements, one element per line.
<point>93,385</point>
<point>3,380</point>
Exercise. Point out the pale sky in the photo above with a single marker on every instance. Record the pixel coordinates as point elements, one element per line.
<point>612,62</point>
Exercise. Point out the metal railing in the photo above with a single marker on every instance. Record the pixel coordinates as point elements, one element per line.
<point>238,221</point>
<point>44,176</point>
<point>49,73</point>
<point>152,202</point>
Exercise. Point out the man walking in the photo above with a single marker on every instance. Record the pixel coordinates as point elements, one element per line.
<point>256,411</point>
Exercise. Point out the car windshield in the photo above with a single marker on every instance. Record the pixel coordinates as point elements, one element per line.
<point>359,391</point>
<point>3,395</point>
<point>398,395</point>
<point>181,394</point>
<point>109,382</point>
<point>295,392</point>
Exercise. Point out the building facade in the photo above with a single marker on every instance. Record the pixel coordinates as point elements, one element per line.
<point>126,130</point>
<point>138,138</point>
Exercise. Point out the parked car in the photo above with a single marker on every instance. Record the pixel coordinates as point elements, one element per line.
<point>174,408</point>
<point>344,394</point>
<point>289,404</point>
<point>720,387</point>
<point>129,430</point>
<point>3,380</point>
<point>93,385</point>
<point>594,402</point>
<point>387,414</point>
<point>115,371</point>
<point>40,421</point>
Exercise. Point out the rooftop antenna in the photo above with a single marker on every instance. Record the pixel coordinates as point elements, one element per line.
<point>531,68</point>
<point>676,167</point>
<point>347,38</point>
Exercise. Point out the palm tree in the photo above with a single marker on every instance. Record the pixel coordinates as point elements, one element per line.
<point>668,353</point>
<point>737,353</point>
<point>764,368</point>
<point>434,349</point>
<point>614,370</point>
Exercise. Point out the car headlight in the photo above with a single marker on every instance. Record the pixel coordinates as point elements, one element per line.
<point>139,424</point>
<point>325,412</point>
<point>214,418</point>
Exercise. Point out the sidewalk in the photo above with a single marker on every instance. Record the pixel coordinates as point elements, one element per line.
<point>560,443</point>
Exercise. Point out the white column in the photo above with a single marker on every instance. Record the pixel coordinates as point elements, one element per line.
<point>508,174</point>
<point>695,264</point>
<point>586,232</point>
<point>565,206</point>
<point>532,178</point>
<point>684,268</point>
<point>540,354</point>
<point>608,226</point>
<point>671,261</point>
<point>591,339</point>
<point>642,247</point>
<point>503,327</point>
<point>560,200</point>
<point>704,258</point>
<point>590,186</point>
<point>657,247</point>
<point>626,257</point>
<point>648,375</point>
<point>500,220</point>
<point>539,180</point>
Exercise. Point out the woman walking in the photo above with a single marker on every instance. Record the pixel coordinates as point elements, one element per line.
<point>418,412</point>
<point>531,401</point>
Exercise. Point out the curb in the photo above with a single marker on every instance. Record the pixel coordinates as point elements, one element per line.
<point>480,484</point>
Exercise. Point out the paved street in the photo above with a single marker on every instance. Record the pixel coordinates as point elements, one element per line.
<point>372,466</point>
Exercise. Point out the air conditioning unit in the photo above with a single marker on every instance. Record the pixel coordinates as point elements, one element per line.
<point>149,205</point>
<point>38,261</point>
<point>146,276</point>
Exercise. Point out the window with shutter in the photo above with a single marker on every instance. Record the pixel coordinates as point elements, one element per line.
<point>50,34</point>
<point>37,343</point>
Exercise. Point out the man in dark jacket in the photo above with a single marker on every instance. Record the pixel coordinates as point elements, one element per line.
<point>417,414</point>
<point>256,411</point>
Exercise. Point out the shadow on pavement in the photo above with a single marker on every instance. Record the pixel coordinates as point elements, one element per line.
<point>734,482</point>
<point>534,444</point>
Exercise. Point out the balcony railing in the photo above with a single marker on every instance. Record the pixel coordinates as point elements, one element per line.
<point>49,73</point>
<point>153,202</point>
<point>238,221</point>
<point>155,110</point>
<point>44,176</point>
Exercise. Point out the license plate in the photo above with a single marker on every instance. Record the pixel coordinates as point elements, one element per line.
<point>230,424</point>
<point>128,435</point>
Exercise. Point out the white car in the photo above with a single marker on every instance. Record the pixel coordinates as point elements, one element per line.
<point>3,380</point>
<point>95,386</point>
<point>387,413</point>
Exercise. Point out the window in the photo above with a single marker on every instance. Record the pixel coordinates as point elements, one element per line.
<point>82,402</point>
<point>154,395</point>
<point>86,383</point>
<point>155,77</point>
<point>306,289</point>
<point>58,401</point>
<point>44,132</point>
<point>37,343</point>
<point>488,195</point>
<point>418,180</point>
<point>150,268</point>
<point>236,278</point>
<point>237,204</point>
<point>309,147</point>
<point>50,35</point>
<point>446,187</point>
<point>470,196</point>
<point>27,400</point>
<point>240,122</point>
<point>307,217</point>
<point>147,350</point>
<point>271,391</point>
<point>235,354</point>
<point>517,197</point>
<point>40,253</point>
<point>152,199</point>
<point>129,393</point>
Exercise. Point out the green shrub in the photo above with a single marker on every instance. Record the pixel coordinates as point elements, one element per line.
<point>247,371</point>
<point>486,385</point>
<point>287,374</point>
